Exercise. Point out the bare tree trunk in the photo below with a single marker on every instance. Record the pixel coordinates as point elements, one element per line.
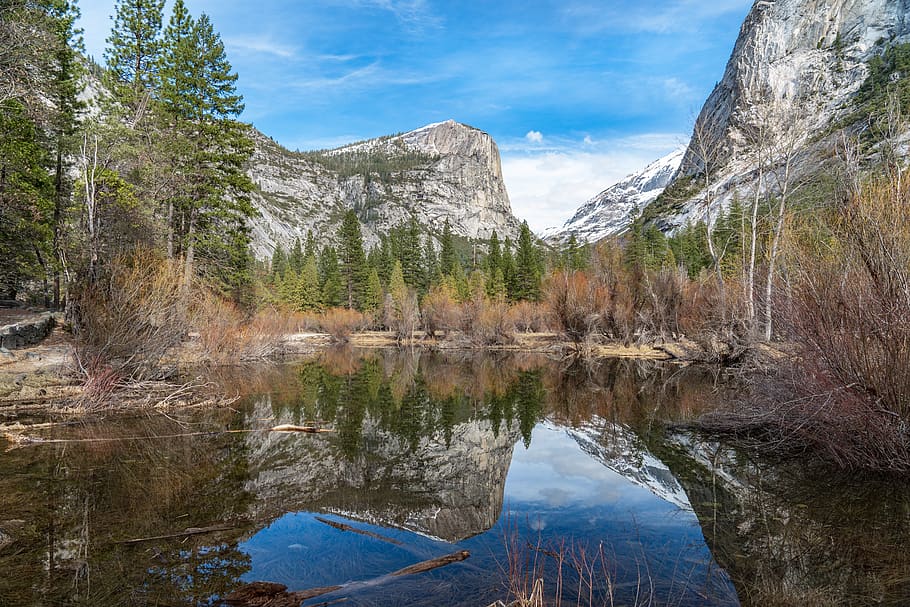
<point>89,168</point>
<point>170,229</point>
<point>190,255</point>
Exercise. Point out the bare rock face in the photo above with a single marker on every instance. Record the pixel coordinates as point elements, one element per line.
<point>786,50</point>
<point>794,48</point>
<point>460,180</point>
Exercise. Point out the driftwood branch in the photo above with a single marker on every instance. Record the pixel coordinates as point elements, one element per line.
<point>343,527</point>
<point>185,533</point>
<point>272,594</point>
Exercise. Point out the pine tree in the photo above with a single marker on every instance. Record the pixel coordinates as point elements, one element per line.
<point>308,296</point>
<point>508,268</point>
<point>494,255</point>
<point>197,89</point>
<point>411,255</point>
<point>448,257</point>
<point>527,266</point>
<point>431,263</point>
<point>66,74</point>
<point>353,261</point>
<point>295,257</point>
<point>330,278</point>
<point>372,299</point>
<point>134,46</point>
<point>309,249</point>
<point>26,202</point>
<point>279,265</point>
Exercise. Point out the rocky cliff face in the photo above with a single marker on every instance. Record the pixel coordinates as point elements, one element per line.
<point>446,489</point>
<point>799,52</point>
<point>610,212</point>
<point>796,49</point>
<point>453,173</point>
<point>786,50</point>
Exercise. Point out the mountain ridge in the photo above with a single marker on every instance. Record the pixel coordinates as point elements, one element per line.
<point>453,172</point>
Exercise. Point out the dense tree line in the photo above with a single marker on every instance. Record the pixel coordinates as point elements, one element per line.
<point>156,166</point>
<point>308,279</point>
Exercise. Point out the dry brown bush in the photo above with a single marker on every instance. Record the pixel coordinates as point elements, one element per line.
<point>440,311</point>
<point>486,322</point>
<point>577,304</point>
<point>531,317</point>
<point>125,322</point>
<point>341,323</point>
<point>228,335</point>
<point>846,393</point>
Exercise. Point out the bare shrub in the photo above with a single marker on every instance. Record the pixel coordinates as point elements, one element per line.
<point>486,322</point>
<point>846,394</point>
<point>126,320</point>
<point>341,323</point>
<point>228,335</point>
<point>440,311</point>
<point>531,317</point>
<point>577,303</point>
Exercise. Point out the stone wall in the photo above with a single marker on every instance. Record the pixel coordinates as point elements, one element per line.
<point>27,332</point>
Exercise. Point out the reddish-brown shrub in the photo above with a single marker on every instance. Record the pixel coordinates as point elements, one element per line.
<point>577,303</point>
<point>440,311</point>
<point>531,317</point>
<point>127,319</point>
<point>341,323</point>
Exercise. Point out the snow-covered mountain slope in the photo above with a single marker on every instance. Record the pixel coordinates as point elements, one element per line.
<point>621,450</point>
<point>441,171</point>
<point>610,212</point>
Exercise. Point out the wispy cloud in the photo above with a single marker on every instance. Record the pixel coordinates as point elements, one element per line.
<point>651,16</point>
<point>534,136</point>
<point>414,15</point>
<point>260,45</point>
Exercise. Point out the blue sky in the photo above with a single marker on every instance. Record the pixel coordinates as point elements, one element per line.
<point>577,93</point>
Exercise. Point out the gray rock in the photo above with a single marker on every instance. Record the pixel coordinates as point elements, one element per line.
<point>27,332</point>
<point>463,184</point>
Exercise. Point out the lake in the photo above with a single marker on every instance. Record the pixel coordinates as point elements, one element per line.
<point>540,468</point>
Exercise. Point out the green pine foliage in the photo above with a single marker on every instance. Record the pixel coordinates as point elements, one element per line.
<point>134,47</point>
<point>352,261</point>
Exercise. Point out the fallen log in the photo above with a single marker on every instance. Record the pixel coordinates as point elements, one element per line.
<point>270,594</point>
<point>343,527</point>
<point>431,564</point>
<point>305,429</point>
<point>189,531</point>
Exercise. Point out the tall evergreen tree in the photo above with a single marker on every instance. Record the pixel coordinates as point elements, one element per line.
<point>448,257</point>
<point>134,46</point>
<point>527,266</point>
<point>431,262</point>
<point>309,249</point>
<point>330,278</point>
<point>494,255</point>
<point>295,257</point>
<point>279,265</point>
<point>67,74</point>
<point>197,89</point>
<point>353,260</point>
<point>508,267</point>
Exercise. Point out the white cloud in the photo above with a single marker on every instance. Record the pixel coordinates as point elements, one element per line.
<point>588,140</point>
<point>546,186</point>
<point>534,136</point>
<point>260,45</point>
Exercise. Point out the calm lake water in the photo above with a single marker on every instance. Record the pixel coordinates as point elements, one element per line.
<point>537,468</point>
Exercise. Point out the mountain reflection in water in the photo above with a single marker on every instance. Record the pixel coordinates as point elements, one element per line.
<point>429,454</point>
